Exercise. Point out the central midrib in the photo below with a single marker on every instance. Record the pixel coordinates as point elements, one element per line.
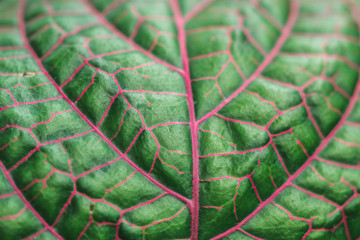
<point>180,22</point>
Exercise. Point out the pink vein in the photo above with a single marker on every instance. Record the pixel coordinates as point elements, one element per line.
<point>194,208</point>
<point>37,59</point>
<point>343,165</point>
<point>248,234</point>
<point>197,9</point>
<point>103,21</point>
<point>27,204</point>
<point>303,167</point>
<point>284,35</point>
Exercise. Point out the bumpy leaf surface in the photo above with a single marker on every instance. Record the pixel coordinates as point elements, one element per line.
<point>179,119</point>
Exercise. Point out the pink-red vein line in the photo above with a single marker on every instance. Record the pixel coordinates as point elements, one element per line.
<point>37,59</point>
<point>107,24</point>
<point>194,208</point>
<point>280,42</point>
<point>303,167</point>
<point>26,202</point>
<point>197,9</point>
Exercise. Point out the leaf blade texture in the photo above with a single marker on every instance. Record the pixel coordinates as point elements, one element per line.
<point>179,119</point>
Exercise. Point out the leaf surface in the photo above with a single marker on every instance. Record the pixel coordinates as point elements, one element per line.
<point>179,119</point>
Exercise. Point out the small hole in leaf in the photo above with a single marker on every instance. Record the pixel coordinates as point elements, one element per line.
<point>28,74</point>
<point>91,207</point>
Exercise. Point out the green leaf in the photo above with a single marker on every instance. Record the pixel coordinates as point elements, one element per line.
<point>179,119</point>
